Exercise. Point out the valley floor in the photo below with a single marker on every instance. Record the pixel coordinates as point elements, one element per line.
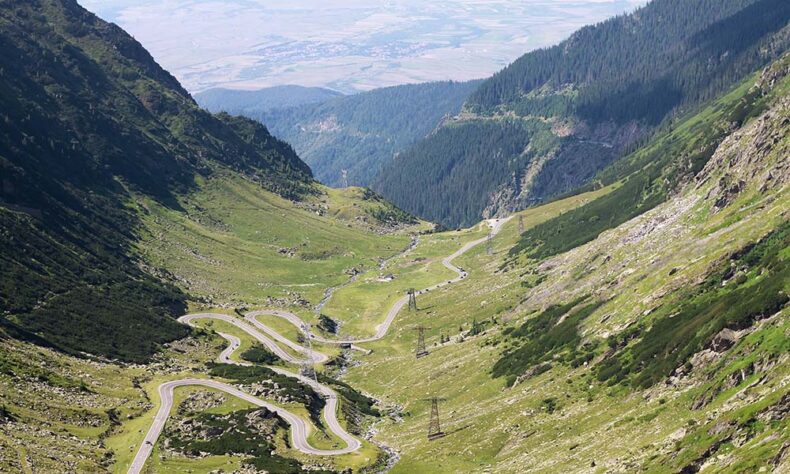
<point>724,410</point>
<point>180,295</point>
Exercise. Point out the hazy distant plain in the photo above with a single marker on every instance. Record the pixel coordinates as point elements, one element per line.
<point>346,45</point>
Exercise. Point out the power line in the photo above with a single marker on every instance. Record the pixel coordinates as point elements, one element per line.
<point>307,368</point>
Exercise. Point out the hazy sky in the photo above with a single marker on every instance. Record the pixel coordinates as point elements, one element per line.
<point>347,45</point>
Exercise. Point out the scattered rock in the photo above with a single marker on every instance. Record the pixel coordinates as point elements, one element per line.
<point>725,339</point>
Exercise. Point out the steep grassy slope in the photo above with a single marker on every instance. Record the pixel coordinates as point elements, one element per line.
<point>236,244</point>
<point>115,186</point>
<point>658,346</point>
<point>657,342</point>
<point>233,244</point>
<point>522,349</point>
<point>90,120</point>
<point>361,133</point>
<point>577,107</point>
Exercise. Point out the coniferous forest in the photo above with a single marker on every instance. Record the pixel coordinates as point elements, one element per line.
<point>630,73</point>
<point>362,133</point>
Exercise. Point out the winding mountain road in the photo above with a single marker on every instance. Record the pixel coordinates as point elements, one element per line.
<point>267,336</point>
<point>299,429</point>
<point>252,330</point>
<point>383,328</point>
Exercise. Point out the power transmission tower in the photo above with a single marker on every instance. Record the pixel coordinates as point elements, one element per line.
<point>434,426</point>
<point>344,174</point>
<point>520,224</point>
<point>421,351</point>
<point>307,369</point>
<point>489,245</point>
<point>412,299</point>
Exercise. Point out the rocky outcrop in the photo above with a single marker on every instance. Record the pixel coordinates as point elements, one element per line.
<point>722,341</point>
<point>755,156</point>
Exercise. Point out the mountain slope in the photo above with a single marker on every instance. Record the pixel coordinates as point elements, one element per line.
<point>653,173</point>
<point>584,103</point>
<point>658,346</point>
<point>638,325</point>
<point>241,102</point>
<point>361,133</point>
<point>720,232</point>
<point>90,119</point>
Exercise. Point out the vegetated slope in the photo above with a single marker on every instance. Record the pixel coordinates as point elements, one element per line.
<point>658,346</point>
<point>89,120</point>
<point>243,102</point>
<point>227,242</point>
<point>235,244</point>
<point>582,104</point>
<point>362,132</point>
<point>655,171</point>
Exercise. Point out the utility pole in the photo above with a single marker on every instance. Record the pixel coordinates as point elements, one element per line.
<point>344,174</point>
<point>412,299</point>
<point>421,351</point>
<point>489,245</point>
<point>520,224</point>
<point>434,427</point>
<point>307,369</point>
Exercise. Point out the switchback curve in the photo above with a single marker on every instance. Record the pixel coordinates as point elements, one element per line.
<point>299,428</point>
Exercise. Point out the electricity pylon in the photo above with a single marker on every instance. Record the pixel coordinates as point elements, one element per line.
<point>489,244</point>
<point>421,351</point>
<point>307,367</point>
<point>344,174</point>
<point>434,426</point>
<point>412,299</point>
<point>520,224</point>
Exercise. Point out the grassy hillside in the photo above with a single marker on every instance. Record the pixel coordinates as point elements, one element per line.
<point>233,243</point>
<point>658,346</point>
<point>122,202</point>
<point>522,351</point>
<point>581,105</point>
<point>639,324</point>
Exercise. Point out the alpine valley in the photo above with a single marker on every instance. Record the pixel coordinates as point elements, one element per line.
<point>579,264</point>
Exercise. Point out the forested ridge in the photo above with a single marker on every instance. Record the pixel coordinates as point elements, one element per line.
<point>477,161</point>
<point>90,121</point>
<point>361,133</point>
<point>599,93</point>
<point>642,65</point>
<point>247,102</point>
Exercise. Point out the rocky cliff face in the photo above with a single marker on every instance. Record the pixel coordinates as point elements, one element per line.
<point>756,156</point>
<point>582,149</point>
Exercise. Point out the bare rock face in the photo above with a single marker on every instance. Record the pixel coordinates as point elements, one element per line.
<point>264,422</point>
<point>754,156</point>
<point>586,148</point>
<point>722,341</point>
